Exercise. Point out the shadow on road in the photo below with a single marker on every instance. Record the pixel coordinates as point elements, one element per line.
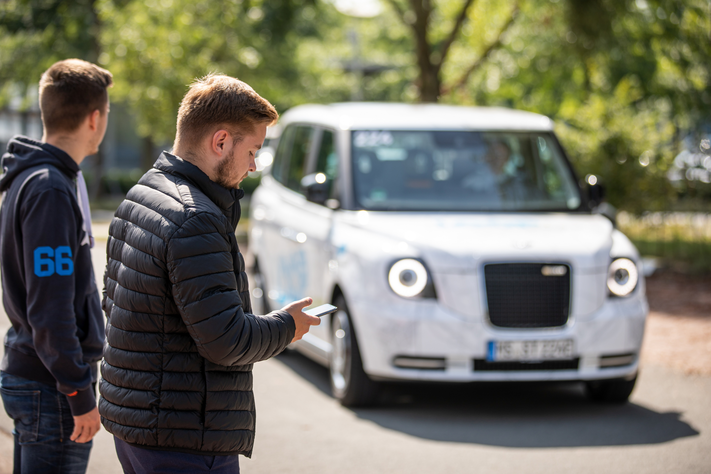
<point>517,415</point>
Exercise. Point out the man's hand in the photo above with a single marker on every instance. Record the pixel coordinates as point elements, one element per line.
<point>86,426</point>
<point>302,320</point>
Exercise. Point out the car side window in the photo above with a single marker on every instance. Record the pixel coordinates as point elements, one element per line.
<point>281,160</point>
<point>301,144</point>
<point>327,159</point>
<point>327,162</point>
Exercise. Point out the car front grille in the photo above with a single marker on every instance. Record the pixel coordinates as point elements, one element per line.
<point>528,295</point>
<point>482,365</point>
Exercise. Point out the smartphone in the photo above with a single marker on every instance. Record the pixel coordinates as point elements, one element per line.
<point>322,310</point>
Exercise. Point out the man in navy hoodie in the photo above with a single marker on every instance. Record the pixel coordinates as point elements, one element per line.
<point>49,370</point>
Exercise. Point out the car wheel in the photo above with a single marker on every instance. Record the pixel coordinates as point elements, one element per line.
<point>610,391</point>
<point>260,303</point>
<point>349,383</point>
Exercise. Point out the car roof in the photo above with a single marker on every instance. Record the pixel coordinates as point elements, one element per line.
<point>398,116</point>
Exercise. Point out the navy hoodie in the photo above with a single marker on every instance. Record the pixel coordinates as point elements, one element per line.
<point>48,286</point>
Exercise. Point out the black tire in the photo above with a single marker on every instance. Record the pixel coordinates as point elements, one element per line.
<point>258,295</point>
<point>350,385</point>
<point>610,391</point>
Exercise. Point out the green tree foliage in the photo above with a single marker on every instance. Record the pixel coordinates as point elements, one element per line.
<point>436,26</point>
<point>34,34</point>
<point>158,47</point>
<point>625,81</point>
<point>344,41</point>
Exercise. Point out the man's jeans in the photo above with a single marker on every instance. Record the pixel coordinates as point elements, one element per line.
<point>43,425</point>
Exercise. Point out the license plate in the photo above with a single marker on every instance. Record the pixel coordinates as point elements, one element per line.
<point>529,350</point>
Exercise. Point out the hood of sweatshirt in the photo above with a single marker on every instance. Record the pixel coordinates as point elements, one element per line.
<point>23,153</point>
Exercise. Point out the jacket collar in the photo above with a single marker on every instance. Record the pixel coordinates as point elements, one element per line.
<point>226,199</point>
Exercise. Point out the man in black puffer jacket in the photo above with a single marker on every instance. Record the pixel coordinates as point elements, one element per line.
<point>180,339</point>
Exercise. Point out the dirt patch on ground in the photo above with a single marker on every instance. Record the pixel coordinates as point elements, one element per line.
<point>678,333</point>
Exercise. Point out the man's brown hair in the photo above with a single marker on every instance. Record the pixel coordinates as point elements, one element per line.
<point>69,91</point>
<point>217,101</point>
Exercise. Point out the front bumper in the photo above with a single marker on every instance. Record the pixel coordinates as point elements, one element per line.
<point>427,331</point>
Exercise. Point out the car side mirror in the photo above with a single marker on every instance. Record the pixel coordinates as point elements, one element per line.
<point>596,194</point>
<point>315,187</point>
<point>596,197</point>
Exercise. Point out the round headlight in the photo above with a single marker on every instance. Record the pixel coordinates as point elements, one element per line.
<point>622,277</point>
<point>407,277</point>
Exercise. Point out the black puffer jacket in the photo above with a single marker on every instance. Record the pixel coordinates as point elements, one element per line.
<point>180,339</point>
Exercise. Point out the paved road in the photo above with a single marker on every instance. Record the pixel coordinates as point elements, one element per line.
<point>478,428</point>
<point>497,429</point>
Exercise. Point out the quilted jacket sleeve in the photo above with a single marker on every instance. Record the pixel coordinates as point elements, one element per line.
<point>204,286</point>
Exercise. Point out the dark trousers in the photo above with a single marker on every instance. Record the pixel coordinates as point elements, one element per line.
<point>43,425</point>
<point>136,460</point>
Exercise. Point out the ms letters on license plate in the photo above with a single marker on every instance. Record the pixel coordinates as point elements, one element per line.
<point>559,349</point>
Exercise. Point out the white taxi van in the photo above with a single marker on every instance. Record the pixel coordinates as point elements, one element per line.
<point>457,243</point>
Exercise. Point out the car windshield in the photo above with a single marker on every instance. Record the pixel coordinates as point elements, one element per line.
<point>461,171</point>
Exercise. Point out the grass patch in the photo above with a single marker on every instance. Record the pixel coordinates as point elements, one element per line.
<point>692,256</point>
<point>680,240</point>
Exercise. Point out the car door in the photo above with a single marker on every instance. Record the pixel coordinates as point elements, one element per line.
<point>295,248</point>
<point>314,228</point>
<point>282,256</point>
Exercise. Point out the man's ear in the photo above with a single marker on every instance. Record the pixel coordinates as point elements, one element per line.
<point>219,143</point>
<point>93,120</point>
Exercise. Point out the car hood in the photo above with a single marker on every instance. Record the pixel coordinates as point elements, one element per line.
<point>457,242</point>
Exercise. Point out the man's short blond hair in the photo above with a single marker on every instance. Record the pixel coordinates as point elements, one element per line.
<point>217,101</point>
<point>69,91</point>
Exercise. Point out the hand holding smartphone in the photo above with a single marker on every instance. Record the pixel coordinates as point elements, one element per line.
<point>320,311</point>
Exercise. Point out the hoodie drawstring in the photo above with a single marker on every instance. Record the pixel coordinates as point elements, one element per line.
<point>83,198</point>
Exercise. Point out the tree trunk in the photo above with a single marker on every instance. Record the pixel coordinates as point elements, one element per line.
<point>429,84</point>
<point>429,81</point>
